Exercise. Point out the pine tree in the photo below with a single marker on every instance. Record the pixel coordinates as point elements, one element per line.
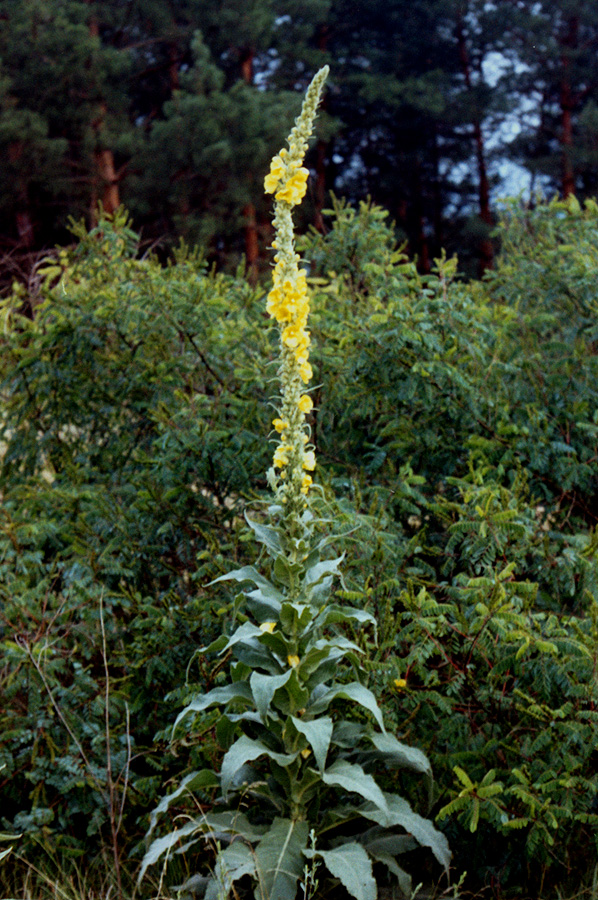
<point>557,47</point>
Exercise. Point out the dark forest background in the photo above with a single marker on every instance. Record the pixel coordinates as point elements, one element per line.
<point>174,108</point>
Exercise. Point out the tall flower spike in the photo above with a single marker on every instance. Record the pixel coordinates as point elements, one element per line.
<point>288,303</point>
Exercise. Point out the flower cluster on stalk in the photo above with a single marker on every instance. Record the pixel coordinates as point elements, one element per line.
<point>288,303</point>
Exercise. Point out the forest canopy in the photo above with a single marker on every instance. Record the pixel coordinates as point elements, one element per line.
<point>435,109</point>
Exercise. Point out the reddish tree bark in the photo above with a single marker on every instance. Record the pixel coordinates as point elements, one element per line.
<point>252,249</point>
<point>486,248</point>
<point>23,220</point>
<point>567,102</point>
<point>105,179</point>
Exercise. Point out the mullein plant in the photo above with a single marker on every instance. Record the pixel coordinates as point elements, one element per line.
<point>296,787</point>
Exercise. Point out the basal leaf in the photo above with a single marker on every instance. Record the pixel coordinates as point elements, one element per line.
<point>163,844</point>
<point>237,860</point>
<point>203,778</point>
<point>280,859</point>
<point>399,813</point>
<point>352,866</point>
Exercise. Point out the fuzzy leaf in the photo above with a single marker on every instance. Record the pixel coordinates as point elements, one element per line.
<point>263,688</point>
<point>399,813</point>
<point>352,778</point>
<point>280,859</point>
<point>321,570</point>
<point>203,778</point>
<point>249,573</point>
<point>334,615</point>
<point>401,754</point>
<point>266,535</point>
<point>245,750</point>
<point>233,863</point>
<point>352,866</point>
<point>166,843</point>
<point>239,690</point>
<point>318,733</point>
<point>354,691</point>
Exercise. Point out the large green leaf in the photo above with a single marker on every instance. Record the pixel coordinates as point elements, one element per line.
<point>166,843</point>
<point>401,754</point>
<point>267,535</point>
<point>399,813</point>
<point>353,868</point>
<point>318,733</point>
<point>250,573</point>
<point>243,634</point>
<point>334,615</point>
<point>352,778</point>
<point>320,570</point>
<point>280,859</point>
<point>237,860</point>
<point>245,750</point>
<point>295,616</point>
<point>239,690</point>
<point>384,847</point>
<point>353,691</point>
<point>201,779</point>
<point>263,688</point>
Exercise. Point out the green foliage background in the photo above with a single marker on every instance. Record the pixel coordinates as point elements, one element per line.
<point>456,427</point>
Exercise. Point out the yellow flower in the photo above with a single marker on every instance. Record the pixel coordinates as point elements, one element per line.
<point>309,460</point>
<point>294,190</point>
<point>305,753</point>
<point>305,404</point>
<point>288,304</point>
<point>305,372</point>
<point>281,457</point>
<point>268,627</point>
<point>275,176</point>
<point>293,661</point>
<point>400,684</point>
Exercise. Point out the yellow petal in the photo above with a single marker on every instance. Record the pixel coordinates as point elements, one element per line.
<point>305,404</point>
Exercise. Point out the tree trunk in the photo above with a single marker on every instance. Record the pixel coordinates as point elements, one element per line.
<point>486,249</point>
<point>108,180</point>
<point>22,216</point>
<point>104,179</point>
<point>252,249</point>
<point>567,103</point>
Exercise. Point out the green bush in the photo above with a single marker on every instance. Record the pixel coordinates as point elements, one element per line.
<point>457,425</point>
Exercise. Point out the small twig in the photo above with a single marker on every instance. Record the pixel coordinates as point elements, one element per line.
<point>114,825</point>
<point>58,711</point>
